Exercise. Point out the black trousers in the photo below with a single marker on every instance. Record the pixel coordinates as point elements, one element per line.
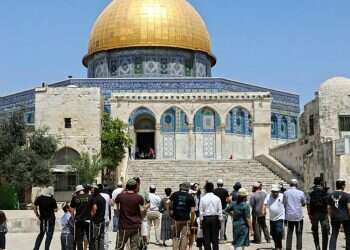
<point>211,228</point>
<point>298,226</point>
<point>97,232</point>
<point>335,232</point>
<point>81,228</point>
<point>316,220</point>
<point>259,224</point>
<point>46,227</point>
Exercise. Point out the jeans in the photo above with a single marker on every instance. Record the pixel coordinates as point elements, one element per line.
<point>259,223</point>
<point>97,232</point>
<point>67,241</point>
<point>47,226</point>
<point>298,225</point>
<point>277,229</point>
<point>322,219</point>
<point>335,231</point>
<point>211,228</point>
<point>81,228</point>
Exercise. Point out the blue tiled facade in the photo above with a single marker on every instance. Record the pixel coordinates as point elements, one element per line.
<point>285,106</point>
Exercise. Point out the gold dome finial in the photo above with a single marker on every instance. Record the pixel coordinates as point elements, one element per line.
<point>149,23</point>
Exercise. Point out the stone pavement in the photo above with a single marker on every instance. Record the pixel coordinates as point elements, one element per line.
<point>25,241</point>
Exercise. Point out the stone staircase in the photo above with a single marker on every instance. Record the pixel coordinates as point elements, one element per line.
<point>171,173</point>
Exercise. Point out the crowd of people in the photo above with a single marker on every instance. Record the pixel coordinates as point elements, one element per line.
<point>189,216</point>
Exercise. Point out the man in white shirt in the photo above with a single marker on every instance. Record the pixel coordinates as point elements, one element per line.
<point>108,200</point>
<point>210,210</point>
<point>153,214</point>
<point>294,201</point>
<point>115,194</point>
<point>274,202</point>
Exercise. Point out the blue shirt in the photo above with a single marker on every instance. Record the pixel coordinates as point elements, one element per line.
<point>294,200</point>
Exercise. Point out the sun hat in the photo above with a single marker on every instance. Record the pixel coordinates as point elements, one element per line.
<point>275,188</point>
<point>243,192</point>
<point>79,188</point>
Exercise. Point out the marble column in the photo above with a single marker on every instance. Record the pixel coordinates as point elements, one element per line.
<point>158,142</point>
<point>223,128</point>
<point>191,143</point>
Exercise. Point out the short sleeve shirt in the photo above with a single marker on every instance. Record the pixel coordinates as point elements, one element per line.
<point>257,202</point>
<point>294,200</point>
<point>182,202</point>
<point>130,214</point>
<point>276,207</point>
<point>338,202</point>
<point>47,206</point>
<point>80,203</point>
<point>222,193</point>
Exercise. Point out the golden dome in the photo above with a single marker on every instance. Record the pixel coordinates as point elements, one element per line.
<point>149,23</point>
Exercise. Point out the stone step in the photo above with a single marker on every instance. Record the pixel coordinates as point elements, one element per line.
<point>171,173</point>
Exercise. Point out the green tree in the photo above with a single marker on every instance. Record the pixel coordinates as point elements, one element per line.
<point>88,168</point>
<point>114,142</point>
<point>24,155</point>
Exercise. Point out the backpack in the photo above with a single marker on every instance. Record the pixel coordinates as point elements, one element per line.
<point>179,205</point>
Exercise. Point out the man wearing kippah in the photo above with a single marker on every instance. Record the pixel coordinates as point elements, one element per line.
<point>131,207</point>
<point>294,201</point>
<point>338,211</point>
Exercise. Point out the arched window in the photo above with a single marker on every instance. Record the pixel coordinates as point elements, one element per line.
<point>239,121</point>
<point>174,119</point>
<point>206,120</point>
<point>274,126</point>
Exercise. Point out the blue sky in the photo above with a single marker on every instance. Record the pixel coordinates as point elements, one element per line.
<point>292,45</point>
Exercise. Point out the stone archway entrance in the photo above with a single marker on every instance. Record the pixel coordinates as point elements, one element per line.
<point>145,127</point>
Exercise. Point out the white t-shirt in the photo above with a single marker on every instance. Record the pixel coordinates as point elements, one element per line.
<point>108,205</point>
<point>276,207</point>
<point>116,192</point>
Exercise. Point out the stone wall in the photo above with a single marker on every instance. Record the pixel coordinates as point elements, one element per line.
<point>82,105</point>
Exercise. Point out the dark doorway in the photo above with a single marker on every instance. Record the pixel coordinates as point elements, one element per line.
<point>145,145</point>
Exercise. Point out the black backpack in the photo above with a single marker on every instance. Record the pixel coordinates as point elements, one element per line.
<point>180,205</point>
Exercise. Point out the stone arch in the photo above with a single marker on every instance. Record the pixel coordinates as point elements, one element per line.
<point>239,121</point>
<point>181,107</point>
<point>65,176</point>
<point>206,119</point>
<point>140,110</point>
<point>174,119</point>
<point>65,157</point>
<point>143,121</point>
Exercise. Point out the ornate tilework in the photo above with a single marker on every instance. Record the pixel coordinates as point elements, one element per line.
<point>169,146</point>
<point>209,142</point>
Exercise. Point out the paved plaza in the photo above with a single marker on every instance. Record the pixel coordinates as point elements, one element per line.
<point>25,241</point>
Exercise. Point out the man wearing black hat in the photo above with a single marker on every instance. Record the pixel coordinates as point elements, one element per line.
<point>339,210</point>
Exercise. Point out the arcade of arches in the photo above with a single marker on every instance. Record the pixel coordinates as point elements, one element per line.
<point>178,127</point>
